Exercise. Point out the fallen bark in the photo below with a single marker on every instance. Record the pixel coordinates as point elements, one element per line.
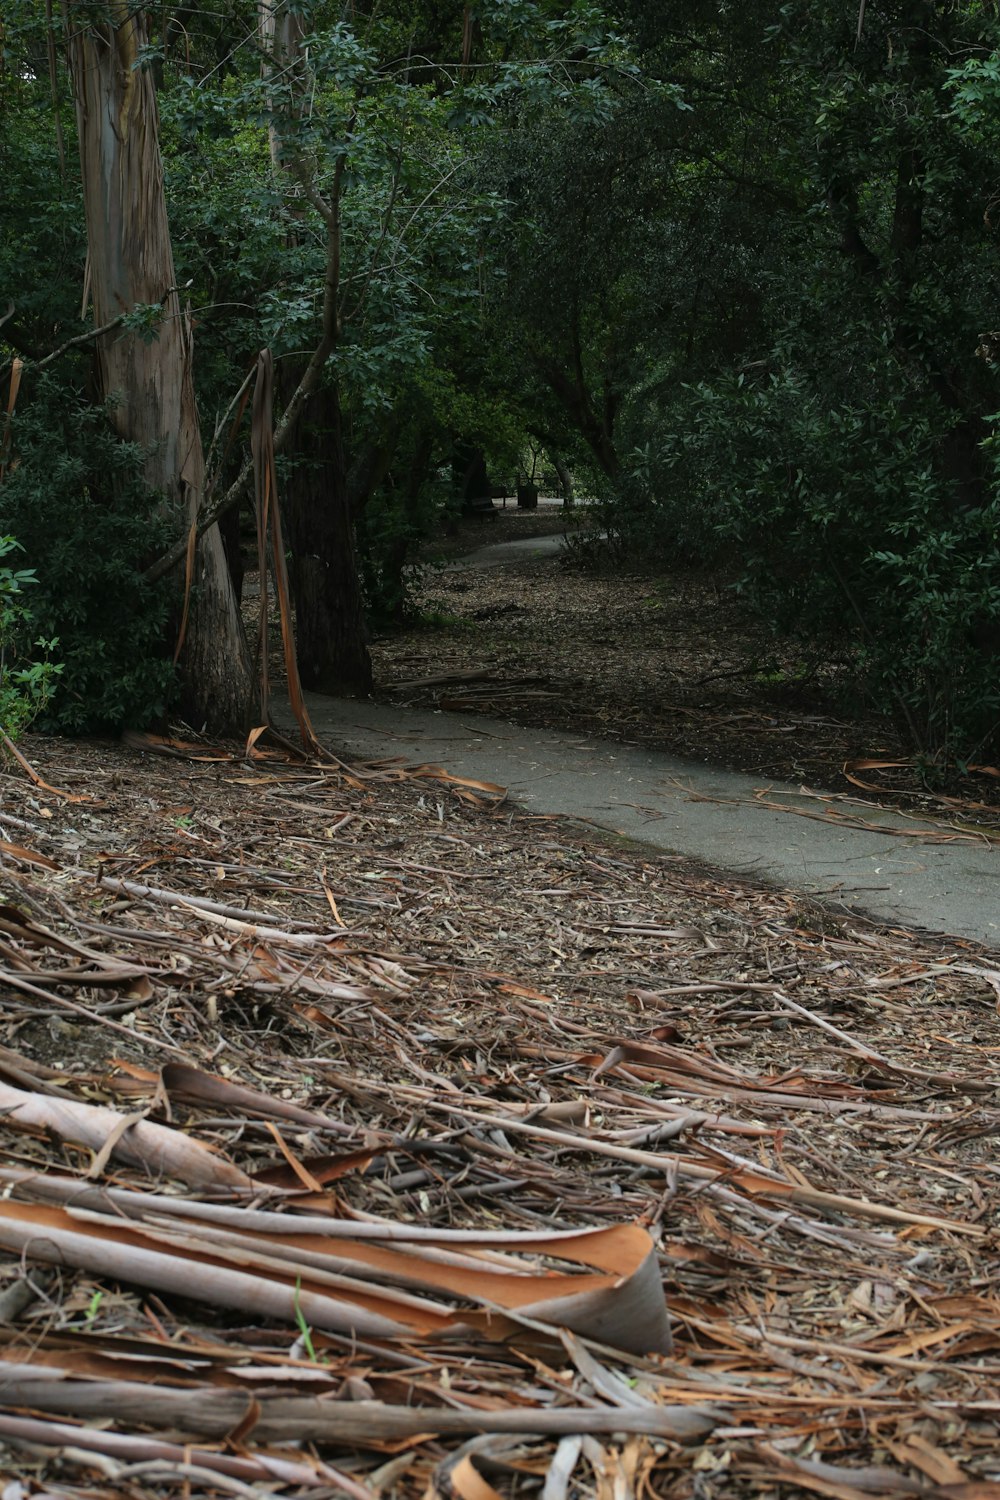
<point>214,1414</point>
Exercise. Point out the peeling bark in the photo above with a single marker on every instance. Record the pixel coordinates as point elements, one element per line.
<point>131,264</point>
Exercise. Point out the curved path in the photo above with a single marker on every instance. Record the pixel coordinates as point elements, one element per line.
<point>524,549</point>
<point>893,866</point>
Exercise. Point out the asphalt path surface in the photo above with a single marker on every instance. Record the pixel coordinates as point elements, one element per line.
<point>898,868</point>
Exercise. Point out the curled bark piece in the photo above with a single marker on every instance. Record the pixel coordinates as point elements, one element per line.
<point>162,1151</point>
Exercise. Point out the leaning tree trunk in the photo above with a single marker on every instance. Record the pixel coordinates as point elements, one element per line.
<point>131,264</point>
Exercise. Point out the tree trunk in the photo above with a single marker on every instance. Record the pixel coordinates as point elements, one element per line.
<point>472,479</point>
<point>565,481</point>
<point>131,264</point>
<point>329,615</point>
<point>597,430</point>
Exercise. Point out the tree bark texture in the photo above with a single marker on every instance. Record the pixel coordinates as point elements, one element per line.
<point>131,263</point>
<point>565,481</point>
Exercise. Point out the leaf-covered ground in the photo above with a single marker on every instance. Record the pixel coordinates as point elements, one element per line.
<point>244,996</point>
<point>673,662</point>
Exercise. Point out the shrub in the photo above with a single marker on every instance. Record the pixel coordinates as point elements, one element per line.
<point>76,501</point>
<point>837,514</point>
<point>27,673</point>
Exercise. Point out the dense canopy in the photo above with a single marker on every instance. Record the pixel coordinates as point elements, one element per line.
<point>729,270</point>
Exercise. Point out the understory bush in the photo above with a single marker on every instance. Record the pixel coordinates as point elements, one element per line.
<point>28,674</point>
<point>389,533</point>
<point>388,536</point>
<point>76,502</point>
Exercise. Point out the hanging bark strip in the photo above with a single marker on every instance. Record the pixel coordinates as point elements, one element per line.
<point>16,370</point>
<point>192,547</point>
<point>269,522</point>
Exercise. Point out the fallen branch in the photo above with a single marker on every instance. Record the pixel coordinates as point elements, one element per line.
<point>215,1414</point>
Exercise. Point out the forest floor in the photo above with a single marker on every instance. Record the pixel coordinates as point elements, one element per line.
<point>673,663</point>
<point>276,1034</point>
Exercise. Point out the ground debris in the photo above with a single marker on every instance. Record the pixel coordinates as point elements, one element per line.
<point>675,662</point>
<point>358,1132</point>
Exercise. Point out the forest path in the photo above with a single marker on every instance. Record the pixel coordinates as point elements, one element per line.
<point>896,867</point>
<point>521,549</point>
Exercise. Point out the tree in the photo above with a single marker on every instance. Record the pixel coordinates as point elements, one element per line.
<point>839,454</point>
<point>360,263</point>
<point>330,630</point>
<point>147,372</point>
<point>382,228</point>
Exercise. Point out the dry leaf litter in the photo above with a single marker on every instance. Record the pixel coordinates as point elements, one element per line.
<point>675,663</point>
<point>360,1134</point>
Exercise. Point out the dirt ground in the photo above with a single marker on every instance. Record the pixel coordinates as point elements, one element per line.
<point>388,1003</point>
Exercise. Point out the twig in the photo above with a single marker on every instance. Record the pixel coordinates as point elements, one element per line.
<point>89,336</point>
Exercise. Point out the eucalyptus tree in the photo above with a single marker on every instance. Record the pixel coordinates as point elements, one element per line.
<point>146,372</point>
<point>357,261</point>
<point>371,133</point>
<point>73,492</point>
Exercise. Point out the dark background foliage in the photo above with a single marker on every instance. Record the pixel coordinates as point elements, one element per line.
<point>734,269</point>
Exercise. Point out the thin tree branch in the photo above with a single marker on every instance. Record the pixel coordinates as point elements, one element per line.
<point>80,338</point>
<point>211,512</point>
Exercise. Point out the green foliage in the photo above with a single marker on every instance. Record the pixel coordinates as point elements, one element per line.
<point>733,264</point>
<point>305,1332</point>
<point>42,233</point>
<point>86,521</point>
<point>832,446</point>
<point>389,531</point>
<point>831,508</point>
<point>27,673</point>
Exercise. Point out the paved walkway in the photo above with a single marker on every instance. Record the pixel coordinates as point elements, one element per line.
<point>524,549</point>
<point>892,866</point>
<point>897,869</point>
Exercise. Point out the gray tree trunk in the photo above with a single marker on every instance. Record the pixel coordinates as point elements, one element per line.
<point>131,263</point>
<point>565,481</point>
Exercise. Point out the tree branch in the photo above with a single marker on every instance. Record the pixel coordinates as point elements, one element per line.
<point>843,205</point>
<point>80,338</point>
<point>211,512</point>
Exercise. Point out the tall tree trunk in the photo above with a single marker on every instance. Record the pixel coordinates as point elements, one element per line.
<point>329,617</point>
<point>132,264</point>
<point>329,614</point>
